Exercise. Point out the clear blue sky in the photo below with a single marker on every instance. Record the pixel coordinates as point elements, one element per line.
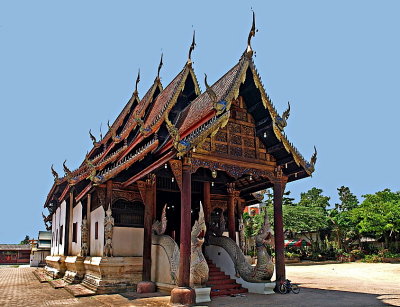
<point>65,67</point>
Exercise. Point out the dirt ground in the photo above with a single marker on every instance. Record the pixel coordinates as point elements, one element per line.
<point>347,284</point>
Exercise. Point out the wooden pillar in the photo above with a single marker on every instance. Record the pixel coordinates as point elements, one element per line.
<point>279,187</point>
<point>207,202</point>
<point>149,191</point>
<point>232,196</point>
<point>185,242</point>
<point>109,187</point>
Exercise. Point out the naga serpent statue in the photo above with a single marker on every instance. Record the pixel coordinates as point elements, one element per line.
<point>264,269</point>
<point>198,264</point>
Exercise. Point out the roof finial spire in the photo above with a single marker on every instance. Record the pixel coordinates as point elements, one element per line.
<point>136,83</point>
<point>159,67</point>
<point>192,47</point>
<point>252,33</point>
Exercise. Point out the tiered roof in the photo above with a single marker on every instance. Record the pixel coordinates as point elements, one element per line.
<point>140,131</point>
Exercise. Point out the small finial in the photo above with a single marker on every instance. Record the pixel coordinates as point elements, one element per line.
<point>209,90</point>
<point>66,169</point>
<point>159,66</point>
<point>252,33</point>
<point>192,47</point>
<point>92,137</point>
<point>314,157</point>
<point>136,83</point>
<point>108,124</point>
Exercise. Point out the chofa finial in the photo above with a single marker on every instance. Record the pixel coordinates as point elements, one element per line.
<point>136,83</point>
<point>192,47</point>
<point>55,174</point>
<point>67,171</point>
<point>159,66</point>
<point>252,33</point>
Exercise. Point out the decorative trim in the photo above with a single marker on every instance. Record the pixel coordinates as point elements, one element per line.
<point>176,168</point>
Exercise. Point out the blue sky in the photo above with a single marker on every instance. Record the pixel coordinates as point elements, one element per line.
<point>66,67</point>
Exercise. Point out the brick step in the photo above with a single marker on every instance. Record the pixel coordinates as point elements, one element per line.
<point>220,282</point>
<point>218,277</point>
<point>228,292</point>
<point>217,273</point>
<point>211,269</point>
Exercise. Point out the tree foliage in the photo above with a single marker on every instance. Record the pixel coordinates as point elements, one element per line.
<point>314,198</point>
<point>379,214</point>
<point>25,240</point>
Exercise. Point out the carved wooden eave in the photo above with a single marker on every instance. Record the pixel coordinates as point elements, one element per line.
<point>280,135</point>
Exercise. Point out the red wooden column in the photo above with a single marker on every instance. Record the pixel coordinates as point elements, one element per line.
<point>147,190</point>
<point>184,294</point>
<point>207,202</point>
<point>279,187</point>
<point>232,196</point>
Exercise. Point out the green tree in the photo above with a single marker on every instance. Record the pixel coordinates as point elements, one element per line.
<point>25,241</point>
<point>314,198</point>
<point>379,214</point>
<point>340,218</point>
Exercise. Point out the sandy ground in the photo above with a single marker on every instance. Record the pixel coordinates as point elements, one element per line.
<point>348,284</point>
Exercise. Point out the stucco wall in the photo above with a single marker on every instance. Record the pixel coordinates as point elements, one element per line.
<point>96,246</point>
<point>127,241</point>
<point>77,218</point>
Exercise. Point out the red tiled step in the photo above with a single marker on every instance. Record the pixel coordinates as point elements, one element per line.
<point>221,284</point>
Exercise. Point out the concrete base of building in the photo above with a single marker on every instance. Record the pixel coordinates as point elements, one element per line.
<point>105,275</point>
<point>55,266</point>
<point>183,296</point>
<point>75,269</point>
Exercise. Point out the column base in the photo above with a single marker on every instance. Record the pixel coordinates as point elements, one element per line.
<point>146,287</point>
<point>183,296</point>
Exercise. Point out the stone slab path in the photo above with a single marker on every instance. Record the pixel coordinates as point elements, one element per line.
<point>353,284</point>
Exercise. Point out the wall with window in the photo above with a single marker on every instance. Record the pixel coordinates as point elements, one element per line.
<point>76,229</point>
<point>97,232</point>
<point>58,230</point>
<point>128,228</point>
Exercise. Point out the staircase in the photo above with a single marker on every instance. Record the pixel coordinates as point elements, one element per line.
<point>221,284</point>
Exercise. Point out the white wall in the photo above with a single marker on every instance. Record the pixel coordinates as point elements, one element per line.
<point>53,234</point>
<point>58,221</point>
<point>97,246</point>
<point>77,218</point>
<point>127,241</point>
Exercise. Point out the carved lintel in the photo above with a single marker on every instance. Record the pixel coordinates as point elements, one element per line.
<point>176,168</point>
<point>150,181</point>
<point>233,170</point>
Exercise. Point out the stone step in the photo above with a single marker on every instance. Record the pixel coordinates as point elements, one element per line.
<point>215,269</point>
<point>58,283</point>
<point>79,290</point>
<point>41,275</point>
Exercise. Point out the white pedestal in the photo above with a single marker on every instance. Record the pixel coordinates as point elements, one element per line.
<point>202,295</point>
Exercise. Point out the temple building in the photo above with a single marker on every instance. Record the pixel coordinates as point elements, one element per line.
<point>175,170</point>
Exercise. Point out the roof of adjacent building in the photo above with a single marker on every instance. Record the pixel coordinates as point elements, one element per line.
<point>15,247</point>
